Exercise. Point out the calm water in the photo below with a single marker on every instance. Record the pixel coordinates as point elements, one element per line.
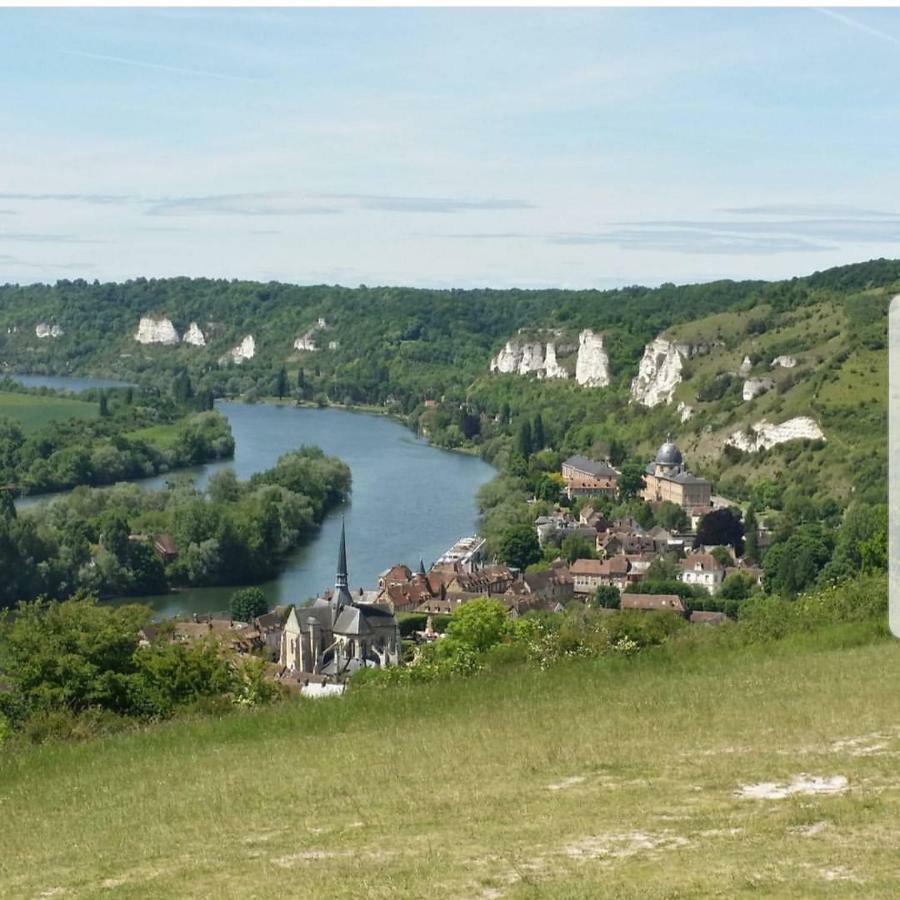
<point>409,499</point>
<point>68,383</point>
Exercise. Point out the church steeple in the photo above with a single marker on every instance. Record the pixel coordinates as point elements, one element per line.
<point>341,596</point>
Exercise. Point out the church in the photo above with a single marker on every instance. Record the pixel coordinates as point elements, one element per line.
<point>667,478</point>
<point>336,635</point>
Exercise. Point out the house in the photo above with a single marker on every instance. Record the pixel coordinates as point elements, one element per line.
<point>589,574</point>
<point>702,569</point>
<point>667,479</point>
<point>403,591</point>
<point>588,477</point>
<point>618,542</point>
<point>270,627</point>
<point>541,590</point>
<point>337,636</point>
<point>164,547</point>
<point>652,602</point>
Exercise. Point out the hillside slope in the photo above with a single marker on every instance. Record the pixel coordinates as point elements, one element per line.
<point>613,778</point>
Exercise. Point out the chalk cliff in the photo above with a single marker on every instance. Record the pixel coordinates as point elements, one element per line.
<point>784,362</point>
<point>44,330</point>
<point>592,363</point>
<point>152,330</point>
<point>753,387</point>
<point>194,336</point>
<point>659,372</point>
<point>245,350</point>
<point>556,357</point>
<point>763,434</point>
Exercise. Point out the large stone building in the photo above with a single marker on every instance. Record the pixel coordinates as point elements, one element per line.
<point>336,635</point>
<point>667,478</point>
<point>588,478</point>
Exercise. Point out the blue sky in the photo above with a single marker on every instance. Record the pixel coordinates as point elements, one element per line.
<point>525,147</point>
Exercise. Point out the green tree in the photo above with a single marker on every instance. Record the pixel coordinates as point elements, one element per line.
<point>721,527</point>
<point>281,383</point>
<point>478,625</point>
<point>672,517</point>
<point>104,405</point>
<point>631,480</point>
<point>539,438</point>
<point>247,604</point>
<point>751,535</point>
<point>519,546</point>
<point>607,597</point>
<point>182,389</point>
<point>737,586</point>
<point>574,546</point>
<point>524,441</point>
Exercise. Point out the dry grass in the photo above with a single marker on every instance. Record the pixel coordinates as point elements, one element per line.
<point>592,780</point>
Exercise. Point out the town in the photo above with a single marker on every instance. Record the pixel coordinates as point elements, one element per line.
<point>618,565</point>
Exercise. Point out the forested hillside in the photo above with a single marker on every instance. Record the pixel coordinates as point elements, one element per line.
<point>425,355</point>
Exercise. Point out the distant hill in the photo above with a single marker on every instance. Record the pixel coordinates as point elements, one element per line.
<point>695,350</point>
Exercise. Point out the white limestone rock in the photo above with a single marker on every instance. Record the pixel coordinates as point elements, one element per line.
<point>194,336</point>
<point>684,411</point>
<point>156,331</point>
<point>746,366</point>
<point>321,324</point>
<point>552,368</point>
<point>45,330</point>
<point>507,360</point>
<point>754,387</point>
<point>306,343</point>
<point>592,363</point>
<point>763,434</point>
<point>532,358</point>
<point>333,345</point>
<point>659,372</point>
<point>526,358</point>
<point>784,362</point>
<point>245,350</point>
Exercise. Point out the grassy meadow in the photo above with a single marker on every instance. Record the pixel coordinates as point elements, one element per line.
<point>597,778</point>
<point>33,411</point>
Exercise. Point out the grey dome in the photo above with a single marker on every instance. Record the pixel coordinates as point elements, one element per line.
<point>669,455</point>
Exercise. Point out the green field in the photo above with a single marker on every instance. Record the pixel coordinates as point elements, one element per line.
<point>163,437</point>
<point>33,411</point>
<point>602,778</point>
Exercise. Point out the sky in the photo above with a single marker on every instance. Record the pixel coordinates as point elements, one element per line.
<point>447,148</point>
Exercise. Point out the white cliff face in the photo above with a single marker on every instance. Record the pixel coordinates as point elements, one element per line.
<point>746,366</point>
<point>532,359</point>
<point>43,330</point>
<point>753,387</point>
<point>784,362</point>
<point>592,364</point>
<point>552,368</point>
<point>156,331</point>
<point>246,349</point>
<point>194,336</point>
<point>659,372</point>
<point>507,360</point>
<point>684,411</point>
<point>764,434</point>
<point>526,358</point>
<point>333,345</point>
<point>307,342</point>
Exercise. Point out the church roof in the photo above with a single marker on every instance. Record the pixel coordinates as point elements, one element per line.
<point>591,466</point>
<point>669,455</point>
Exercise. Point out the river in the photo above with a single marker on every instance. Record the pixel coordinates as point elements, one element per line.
<point>409,499</point>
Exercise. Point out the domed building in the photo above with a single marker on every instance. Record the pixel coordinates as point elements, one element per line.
<point>667,478</point>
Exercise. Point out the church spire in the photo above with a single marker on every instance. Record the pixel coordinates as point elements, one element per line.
<point>341,595</point>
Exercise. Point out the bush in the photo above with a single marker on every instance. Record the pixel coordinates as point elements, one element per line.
<point>248,604</point>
